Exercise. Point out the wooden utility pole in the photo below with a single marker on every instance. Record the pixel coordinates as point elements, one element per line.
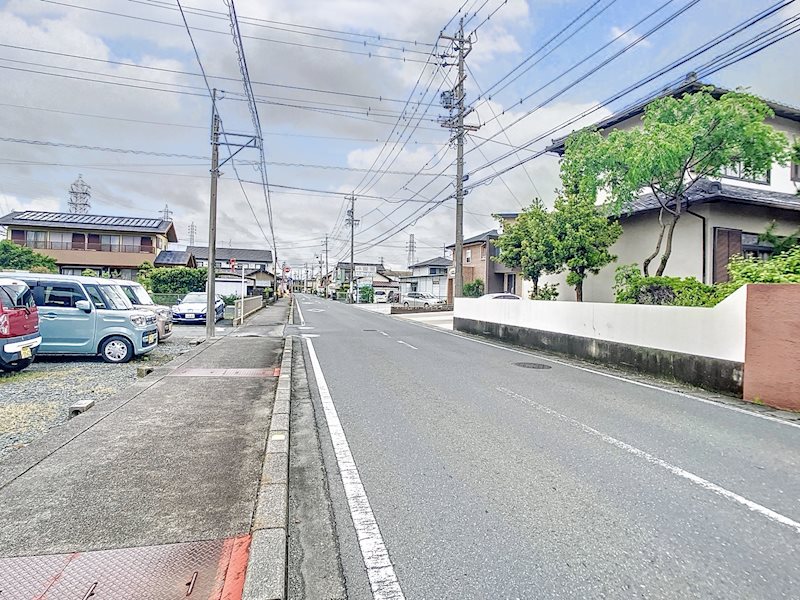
<point>352,221</point>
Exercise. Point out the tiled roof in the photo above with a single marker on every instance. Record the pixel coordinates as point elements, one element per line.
<point>710,191</point>
<point>240,254</point>
<point>438,261</point>
<point>87,222</point>
<point>172,258</point>
<point>485,236</point>
<point>690,87</point>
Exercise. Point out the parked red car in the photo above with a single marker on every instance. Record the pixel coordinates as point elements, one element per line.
<point>19,325</point>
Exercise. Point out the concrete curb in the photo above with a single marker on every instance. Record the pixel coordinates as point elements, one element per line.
<point>266,566</point>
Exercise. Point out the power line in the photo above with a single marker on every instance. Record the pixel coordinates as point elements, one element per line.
<point>215,31</point>
<point>282,26</point>
<point>100,148</point>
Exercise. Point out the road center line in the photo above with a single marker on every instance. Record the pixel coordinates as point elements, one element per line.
<point>407,344</point>
<point>384,333</point>
<point>382,578</point>
<point>696,479</point>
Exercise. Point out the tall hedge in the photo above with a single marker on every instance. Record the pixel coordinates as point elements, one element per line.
<point>177,280</point>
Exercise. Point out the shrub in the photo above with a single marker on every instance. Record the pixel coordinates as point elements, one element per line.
<point>781,268</point>
<point>366,294</point>
<point>177,280</point>
<point>546,291</point>
<point>632,287</point>
<point>473,289</point>
<point>229,299</point>
<point>14,257</point>
<point>89,273</point>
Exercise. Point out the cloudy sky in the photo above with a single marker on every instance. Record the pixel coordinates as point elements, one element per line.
<point>348,98</point>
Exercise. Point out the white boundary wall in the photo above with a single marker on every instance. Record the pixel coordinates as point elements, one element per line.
<point>717,332</point>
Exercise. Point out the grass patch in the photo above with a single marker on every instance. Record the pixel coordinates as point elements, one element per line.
<point>26,416</point>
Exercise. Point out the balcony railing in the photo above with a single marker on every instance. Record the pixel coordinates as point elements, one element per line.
<point>127,248</point>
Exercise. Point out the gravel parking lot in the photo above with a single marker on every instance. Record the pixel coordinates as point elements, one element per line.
<point>38,398</point>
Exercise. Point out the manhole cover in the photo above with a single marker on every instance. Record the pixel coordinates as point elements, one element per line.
<point>529,365</point>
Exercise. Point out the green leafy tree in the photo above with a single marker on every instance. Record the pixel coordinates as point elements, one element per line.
<point>582,234</point>
<point>143,274</point>
<point>681,142</point>
<point>527,244</point>
<point>89,273</point>
<point>13,256</point>
<point>779,243</point>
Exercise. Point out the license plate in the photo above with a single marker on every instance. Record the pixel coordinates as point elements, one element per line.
<point>168,327</point>
<point>190,315</point>
<point>152,338</point>
<point>25,352</point>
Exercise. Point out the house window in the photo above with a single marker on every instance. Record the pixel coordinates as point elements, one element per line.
<point>468,254</point>
<point>483,252</point>
<point>131,243</point>
<point>60,240</point>
<point>795,171</point>
<point>109,243</point>
<point>737,171</point>
<point>36,239</point>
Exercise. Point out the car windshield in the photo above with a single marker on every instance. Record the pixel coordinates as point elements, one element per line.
<point>15,295</point>
<point>137,295</point>
<point>115,297</point>
<point>194,298</point>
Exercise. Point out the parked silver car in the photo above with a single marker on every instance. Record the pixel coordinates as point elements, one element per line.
<point>421,299</point>
<point>141,299</point>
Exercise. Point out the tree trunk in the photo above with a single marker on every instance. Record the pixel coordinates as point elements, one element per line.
<point>579,291</point>
<point>668,248</point>
<point>651,258</point>
<point>535,285</point>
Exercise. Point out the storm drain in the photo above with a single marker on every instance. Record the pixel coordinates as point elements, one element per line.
<point>532,365</point>
<point>209,570</point>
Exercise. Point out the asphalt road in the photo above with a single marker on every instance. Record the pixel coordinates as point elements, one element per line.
<point>491,480</point>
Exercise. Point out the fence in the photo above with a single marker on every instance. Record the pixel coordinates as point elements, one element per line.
<point>166,299</point>
<point>246,307</point>
<point>748,345</point>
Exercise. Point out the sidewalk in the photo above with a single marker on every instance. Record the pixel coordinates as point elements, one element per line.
<point>175,459</point>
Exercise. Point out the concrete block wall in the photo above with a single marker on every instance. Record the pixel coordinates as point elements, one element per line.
<point>748,345</point>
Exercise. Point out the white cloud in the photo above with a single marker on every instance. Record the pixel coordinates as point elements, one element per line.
<point>627,37</point>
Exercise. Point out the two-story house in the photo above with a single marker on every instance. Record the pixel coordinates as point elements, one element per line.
<point>722,218</point>
<point>427,276</point>
<point>106,244</point>
<point>249,258</point>
<point>477,263</point>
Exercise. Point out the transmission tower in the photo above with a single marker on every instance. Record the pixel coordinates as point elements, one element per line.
<point>411,259</point>
<point>166,213</point>
<point>192,233</point>
<point>80,193</point>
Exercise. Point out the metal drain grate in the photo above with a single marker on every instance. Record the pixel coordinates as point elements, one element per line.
<point>530,365</point>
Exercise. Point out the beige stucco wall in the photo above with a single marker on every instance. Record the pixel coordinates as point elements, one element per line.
<point>641,231</point>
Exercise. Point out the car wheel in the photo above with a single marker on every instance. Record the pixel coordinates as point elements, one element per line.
<point>116,349</point>
<point>405,304</point>
<point>426,305</point>
<point>16,365</point>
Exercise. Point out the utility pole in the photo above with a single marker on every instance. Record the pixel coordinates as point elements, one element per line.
<point>212,221</point>
<point>352,221</point>
<point>326,265</point>
<point>454,101</point>
<point>305,281</point>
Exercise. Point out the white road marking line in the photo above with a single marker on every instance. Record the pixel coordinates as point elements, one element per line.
<point>407,344</point>
<point>300,312</point>
<point>609,375</point>
<point>382,578</point>
<point>384,333</point>
<point>696,479</point>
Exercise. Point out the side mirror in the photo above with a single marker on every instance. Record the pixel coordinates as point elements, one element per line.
<point>84,305</point>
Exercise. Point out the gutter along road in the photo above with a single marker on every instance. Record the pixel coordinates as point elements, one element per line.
<point>491,480</point>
